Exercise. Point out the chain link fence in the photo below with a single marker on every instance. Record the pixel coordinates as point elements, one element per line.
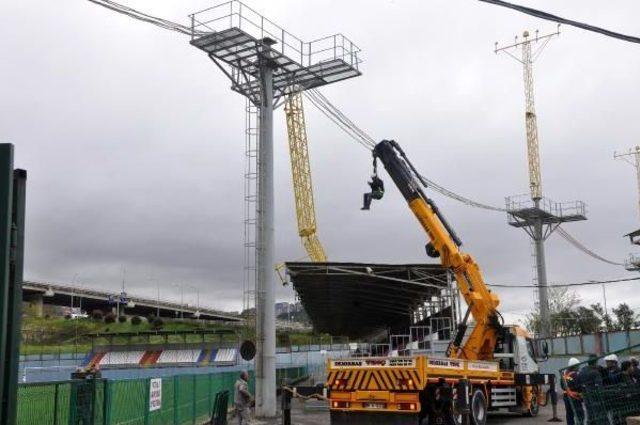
<point>601,392</point>
<point>184,399</point>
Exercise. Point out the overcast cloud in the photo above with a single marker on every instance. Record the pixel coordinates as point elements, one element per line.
<point>134,142</point>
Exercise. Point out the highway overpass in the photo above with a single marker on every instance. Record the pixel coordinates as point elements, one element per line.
<point>45,293</point>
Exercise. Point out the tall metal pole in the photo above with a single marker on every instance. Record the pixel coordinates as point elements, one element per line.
<point>541,271</point>
<point>265,296</point>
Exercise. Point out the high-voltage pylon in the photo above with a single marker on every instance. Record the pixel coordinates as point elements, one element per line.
<point>263,61</point>
<point>301,175</point>
<point>538,216</point>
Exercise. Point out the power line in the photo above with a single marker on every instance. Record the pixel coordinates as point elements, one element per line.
<point>573,241</point>
<point>450,194</point>
<point>337,120</point>
<point>356,133</point>
<point>565,285</point>
<point>136,14</point>
<point>549,17</point>
<point>342,121</point>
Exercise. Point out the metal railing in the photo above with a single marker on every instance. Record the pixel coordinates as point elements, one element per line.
<point>235,14</point>
<point>559,209</point>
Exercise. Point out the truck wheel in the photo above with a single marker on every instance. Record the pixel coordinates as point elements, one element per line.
<point>478,408</point>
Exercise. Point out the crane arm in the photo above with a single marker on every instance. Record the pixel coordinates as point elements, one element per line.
<point>443,242</point>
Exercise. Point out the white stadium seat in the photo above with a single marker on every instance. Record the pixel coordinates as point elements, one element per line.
<point>225,355</point>
<point>179,356</point>
<point>121,358</point>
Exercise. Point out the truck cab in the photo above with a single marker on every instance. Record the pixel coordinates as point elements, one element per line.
<point>515,351</point>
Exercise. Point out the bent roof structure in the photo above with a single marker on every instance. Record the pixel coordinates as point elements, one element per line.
<point>361,299</point>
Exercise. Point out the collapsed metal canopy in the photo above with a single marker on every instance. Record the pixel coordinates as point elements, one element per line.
<point>358,300</point>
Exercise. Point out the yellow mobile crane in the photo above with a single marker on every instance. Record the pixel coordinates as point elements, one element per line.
<point>301,174</point>
<point>498,362</point>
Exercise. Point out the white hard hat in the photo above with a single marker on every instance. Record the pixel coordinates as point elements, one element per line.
<point>573,361</point>
<point>611,358</point>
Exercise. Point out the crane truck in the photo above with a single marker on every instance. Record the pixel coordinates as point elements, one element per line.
<point>496,362</point>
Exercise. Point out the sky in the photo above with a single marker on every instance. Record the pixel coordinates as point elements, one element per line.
<point>134,143</point>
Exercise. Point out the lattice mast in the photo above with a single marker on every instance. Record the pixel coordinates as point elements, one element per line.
<point>538,217</point>
<point>533,152</point>
<point>301,175</point>
<point>632,157</point>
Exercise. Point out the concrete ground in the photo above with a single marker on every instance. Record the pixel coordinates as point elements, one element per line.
<point>312,413</point>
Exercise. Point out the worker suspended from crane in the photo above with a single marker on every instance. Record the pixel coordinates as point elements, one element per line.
<point>377,188</point>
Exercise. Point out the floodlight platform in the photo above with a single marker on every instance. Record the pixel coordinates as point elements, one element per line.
<point>234,35</point>
<point>524,212</point>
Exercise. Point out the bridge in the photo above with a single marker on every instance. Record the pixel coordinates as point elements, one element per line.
<point>40,293</point>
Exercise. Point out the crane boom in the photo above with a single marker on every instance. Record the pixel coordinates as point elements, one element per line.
<point>301,174</point>
<point>444,243</point>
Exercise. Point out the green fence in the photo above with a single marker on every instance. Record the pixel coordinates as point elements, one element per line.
<point>185,399</point>
<point>605,396</point>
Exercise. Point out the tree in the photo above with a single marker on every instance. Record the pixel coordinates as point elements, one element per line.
<point>562,304</point>
<point>625,317</point>
<point>588,321</point>
<point>109,318</point>
<point>157,324</point>
<point>604,317</point>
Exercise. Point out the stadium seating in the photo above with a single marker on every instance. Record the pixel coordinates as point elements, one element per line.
<point>225,356</point>
<point>179,356</point>
<point>160,357</point>
<point>121,358</point>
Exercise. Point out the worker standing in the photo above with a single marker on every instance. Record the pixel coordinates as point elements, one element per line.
<point>589,378</point>
<point>242,398</point>
<point>572,398</point>
<point>635,369</point>
<point>612,370</point>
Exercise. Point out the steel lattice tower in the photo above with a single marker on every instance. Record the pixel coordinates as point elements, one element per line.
<point>533,151</point>
<point>538,216</point>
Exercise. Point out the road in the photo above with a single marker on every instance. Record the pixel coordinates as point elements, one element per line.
<point>310,416</point>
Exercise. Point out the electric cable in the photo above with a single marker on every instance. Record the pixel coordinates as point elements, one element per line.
<point>356,133</point>
<point>573,241</point>
<point>549,17</point>
<point>136,14</point>
<point>565,285</point>
<point>334,113</point>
